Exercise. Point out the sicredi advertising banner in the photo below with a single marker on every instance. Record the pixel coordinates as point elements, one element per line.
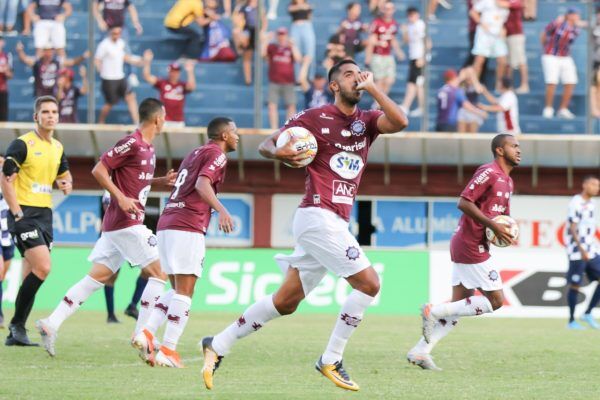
<point>235,278</point>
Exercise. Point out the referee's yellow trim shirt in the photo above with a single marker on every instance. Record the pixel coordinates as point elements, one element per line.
<point>40,163</point>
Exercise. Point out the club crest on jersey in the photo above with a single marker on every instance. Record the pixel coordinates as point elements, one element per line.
<point>152,242</point>
<point>352,253</point>
<point>493,275</point>
<point>346,165</point>
<point>358,128</point>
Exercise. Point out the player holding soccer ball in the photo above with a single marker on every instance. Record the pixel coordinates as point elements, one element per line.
<point>486,196</point>
<point>344,134</point>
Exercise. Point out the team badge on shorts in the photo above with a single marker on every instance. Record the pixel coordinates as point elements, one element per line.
<point>352,253</point>
<point>493,275</point>
<point>152,242</point>
<point>358,128</point>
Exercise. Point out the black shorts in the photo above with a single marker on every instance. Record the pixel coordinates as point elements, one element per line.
<point>34,229</point>
<point>7,252</point>
<point>443,127</point>
<point>414,72</point>
<point>114,90</point>
<point>578,267</point>
<point>595,73</point>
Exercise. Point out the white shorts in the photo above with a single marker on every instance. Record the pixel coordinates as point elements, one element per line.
<point>383,67</point>
<point>476,276</point>
<point>559,70</point>
<point>181,252</point>
<point>324,243</point>
<point>135,244</point>
<point>49,34</point>
<point>488,45</point>
<point>469,117</point>
<point>516,51</point>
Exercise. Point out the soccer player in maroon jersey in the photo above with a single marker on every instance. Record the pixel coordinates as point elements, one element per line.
<point>486,196</point>
<point>344,134</point>
<point>127,172</point>
<point>181,229</point>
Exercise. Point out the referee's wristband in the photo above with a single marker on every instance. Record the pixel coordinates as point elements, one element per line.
<point>18,215</point>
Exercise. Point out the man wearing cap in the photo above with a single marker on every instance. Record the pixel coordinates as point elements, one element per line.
<point>281,55</point>
<point>68,94</point>
<point>172,89</point>
<point>557,64</point>
<point>450,99</point>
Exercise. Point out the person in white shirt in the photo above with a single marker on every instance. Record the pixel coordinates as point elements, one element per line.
<point>415,35</point>
<point>110,59</point>
<point>506,106</point>
<point>490,36</point>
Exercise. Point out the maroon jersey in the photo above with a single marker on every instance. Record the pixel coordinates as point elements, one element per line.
<point>185,210</point>
<point>173,97</point>
<point>45,77</point>
<point>67,105</point>
<point>514,22</point>
<point>131,165</point>
<point>281,64</point>
<point>333,177</point>
<point>490,189</point>
<point>113,12</point>
<point>385,31</point>
<point>6,65</point>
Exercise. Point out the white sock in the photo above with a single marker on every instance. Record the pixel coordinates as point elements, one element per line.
<point>254,318</point>
<point>273,7</point>
<point>152,292</point>
<point>177,318</point>
<point>474,305</point>
<point>350,316</point>
<point>159,314</point>
<point>440,330</point>
<point>73,299</point>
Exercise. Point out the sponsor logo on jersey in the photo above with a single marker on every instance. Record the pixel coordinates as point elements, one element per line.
<point>358,128</point>
<point>218,162</point>
<point>482,177</point>
<point>343,192</point>
<point>325,116</point>
<point>352,253</point>
<point>316,199</point>
<point>144,162</point>
<point>346,133</point>
<point>41,188</point>
<point>29,235</point>
<point>180,204</point>
<point>346,165</point>
<point>125,147</point>
<point>296,116</point>
<point>145,176</point>
<point>325,131</point>
<point>498,208</point>
<point>110,153</point>
<point>353,147</point>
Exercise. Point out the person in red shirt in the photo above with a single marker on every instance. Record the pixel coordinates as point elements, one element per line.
<point>68,94</point>
<point>181,230</point>
<point>6,73</point>
<point>126,170</point>
<point>172,89</point>
<point>486,196</point>
<point>382,42</point>
<point>515,38</point>
<point>344,134</point>
<point>281,55</point>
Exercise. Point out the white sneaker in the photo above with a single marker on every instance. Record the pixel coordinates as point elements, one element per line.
<point>133,80</point>
<point>272,16</point>
<point>565,113</point>
<point>422,360</point>
<point>548,112</point>
<point>48,334</point>
<point>445,4</point>
<point>417,112</point>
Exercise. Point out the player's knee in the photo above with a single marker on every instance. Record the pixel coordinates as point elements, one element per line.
<point>497,301</point>
<point>42,271</point>
<point>286,306</point>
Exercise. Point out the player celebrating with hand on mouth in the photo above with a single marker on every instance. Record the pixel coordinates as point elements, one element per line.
<point>344,134</point>
<point>486,196</point>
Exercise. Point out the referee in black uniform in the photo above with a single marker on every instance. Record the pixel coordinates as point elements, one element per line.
<point>34,162</point>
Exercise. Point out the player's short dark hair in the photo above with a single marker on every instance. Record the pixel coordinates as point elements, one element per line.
<point>411,10</point>
<point>148,108</point>
<point>41,100</point>
<point>589,177</point>
<point>350,5</point>
<point>216,125</point>
<point>506,82</point>
<point>334,71</point>
<point>498,141</point>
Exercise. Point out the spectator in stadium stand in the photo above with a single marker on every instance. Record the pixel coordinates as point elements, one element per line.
<point>186,18</point>
<point>472,29</point>
<point>557,64</point>
<point>595,88</point>
<point>8,17</point>
<point>46,68</point>
<point>450,98</point>
<point>334,52</point>
<point>515,38</point>
<point>351,30</point>
<point>506,108</point>
<point>244,19</point>
<point>530,12</point>
<point>490,35</point>
<point>110,59</point>
<point>433,7</point>
<point>316,93</point>
<point>6,73</point>
<point>49,24</point>
<point>217,46</point>
<point>111,13</point>
<point>68,94</point>
<point>469,122</point>
<point>282,55</point>
<point>382,42</point>
<point>302,33</point>
<point>172,89</point>
<point>414,34</point>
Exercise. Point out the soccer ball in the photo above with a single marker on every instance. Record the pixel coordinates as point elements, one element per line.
<point>304,141</point>
<point>511,226</point>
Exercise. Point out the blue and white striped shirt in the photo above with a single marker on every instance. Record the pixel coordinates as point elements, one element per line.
<point>5,239</point>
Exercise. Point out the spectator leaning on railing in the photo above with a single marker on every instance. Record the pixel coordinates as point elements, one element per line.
<point>557,63</point>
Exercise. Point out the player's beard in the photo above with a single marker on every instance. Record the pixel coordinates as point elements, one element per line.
<point>351,97</point>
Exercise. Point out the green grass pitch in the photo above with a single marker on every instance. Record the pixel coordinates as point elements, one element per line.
<point>483,358</point>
